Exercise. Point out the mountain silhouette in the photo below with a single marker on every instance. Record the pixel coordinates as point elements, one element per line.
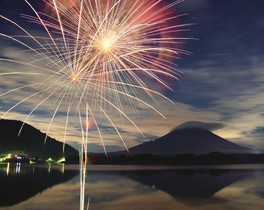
<point>30,141</point>
<point>191,140</point>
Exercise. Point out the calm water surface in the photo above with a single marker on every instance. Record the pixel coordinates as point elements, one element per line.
<point>234,187</point>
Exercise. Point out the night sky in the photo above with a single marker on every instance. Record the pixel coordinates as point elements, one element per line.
<point>221,86</point>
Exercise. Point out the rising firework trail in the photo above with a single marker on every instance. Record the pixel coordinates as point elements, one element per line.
<point>96,58</point>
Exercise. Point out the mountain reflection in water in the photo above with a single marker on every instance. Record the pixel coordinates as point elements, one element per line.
<point>21,182</point>
<point>137,188</point>
<point>199,186</point>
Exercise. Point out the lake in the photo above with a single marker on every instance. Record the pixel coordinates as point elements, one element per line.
<point>231,187</point>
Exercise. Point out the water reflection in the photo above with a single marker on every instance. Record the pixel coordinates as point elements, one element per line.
<point>7,168</point>
<point>140,189</point>
<point>191,187</point>
<point>18,168</point>
<point>21,182</point>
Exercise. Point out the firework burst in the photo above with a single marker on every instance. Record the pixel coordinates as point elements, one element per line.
<point>97,56</point>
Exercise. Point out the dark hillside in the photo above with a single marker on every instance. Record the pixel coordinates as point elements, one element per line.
<point>30,141</point>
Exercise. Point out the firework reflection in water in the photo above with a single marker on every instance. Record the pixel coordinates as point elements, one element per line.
<point>97,56</point>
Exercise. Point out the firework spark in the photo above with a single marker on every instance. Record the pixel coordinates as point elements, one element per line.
<point>95,57</point>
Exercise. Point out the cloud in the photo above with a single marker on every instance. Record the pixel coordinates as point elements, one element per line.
<point>209,126</point>
<point>48,110</point>
<point>234,92</point>
<point>222,87</point>
<point>232,100</point>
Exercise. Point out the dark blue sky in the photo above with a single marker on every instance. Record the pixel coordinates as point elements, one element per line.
<point>223,79</point>
<point>225,72</point>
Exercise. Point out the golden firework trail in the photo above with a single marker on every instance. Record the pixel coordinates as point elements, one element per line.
<point>96,56</point>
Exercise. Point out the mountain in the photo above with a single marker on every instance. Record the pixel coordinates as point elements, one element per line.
<point>30,141</point>
<point>182,140</point>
